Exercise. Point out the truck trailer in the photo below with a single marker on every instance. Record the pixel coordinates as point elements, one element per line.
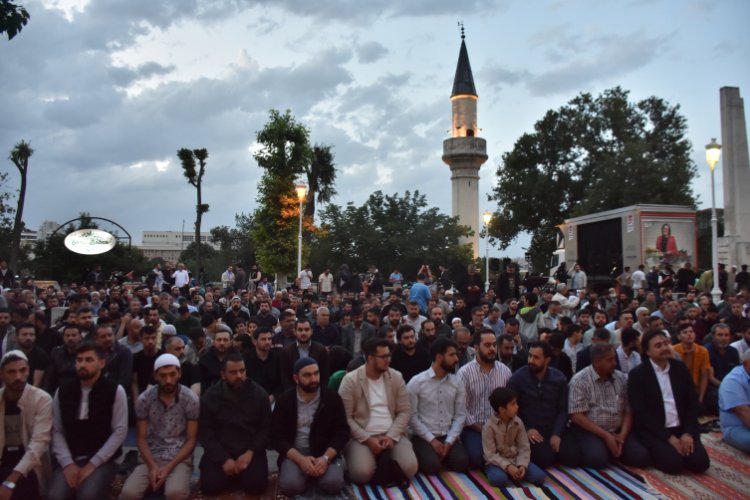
<point>605,243</point>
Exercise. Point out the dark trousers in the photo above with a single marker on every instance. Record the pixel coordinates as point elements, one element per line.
<point>666,458</point>
<point>253,480</point>
<point>26,487</point>
<point>457,459</point>
<point>543,456</point>
<point>595,454</point>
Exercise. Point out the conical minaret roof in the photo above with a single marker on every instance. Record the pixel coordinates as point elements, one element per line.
<point>463,83</point>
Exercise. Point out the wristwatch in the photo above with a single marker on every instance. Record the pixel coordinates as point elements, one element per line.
<point>9,484</point>
<point>324,457</point>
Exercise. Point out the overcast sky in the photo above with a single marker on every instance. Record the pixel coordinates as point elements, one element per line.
<point>106,91</point>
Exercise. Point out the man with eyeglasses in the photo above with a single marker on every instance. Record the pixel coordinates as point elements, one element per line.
<point>542,393</point>
<point>378,409</point>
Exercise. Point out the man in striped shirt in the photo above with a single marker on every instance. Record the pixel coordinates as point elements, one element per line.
<point>480,377</point>
<point>599,411</point>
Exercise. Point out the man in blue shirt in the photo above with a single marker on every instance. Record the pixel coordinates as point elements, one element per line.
<point>420,293</point>
<point>734,405</point>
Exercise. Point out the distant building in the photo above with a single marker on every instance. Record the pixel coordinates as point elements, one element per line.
<point>168,245</point>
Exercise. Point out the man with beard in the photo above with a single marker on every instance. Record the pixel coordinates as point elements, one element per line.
<point>542,393</point>
<point>167,428</point>
<point>356,333</point>
<point>393,319</point>
<point>265,317</point>
<point>442,329</point>
<point>305,347</point>
<point>62,360</point>
<point>210,363</point>
<point>143,362</point>
<point>480,377</point>
<point>466,353</point>
<point>36,357</point>
<point>377,410</point>
<point>26,432</point>
<point>235,311</point>
<point>90,425</point>
<point>234,426</point>
<point>86,323</point>
<point>409,358</point>
<point>460,311</point>
<point>285,335</point>
<point>189,375</point>
<point>119,360</point>
<point>7,332</point>
<point>309,430</point>
<point>438,412</point>
<point>600,319</point>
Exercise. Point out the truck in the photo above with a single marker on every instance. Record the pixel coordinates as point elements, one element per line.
<point>605,243</point>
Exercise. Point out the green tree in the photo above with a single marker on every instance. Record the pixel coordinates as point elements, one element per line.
<point>195,178</point>
<point>321,176</point>
<point>235,243</point>
<point>594,154</point>
<point>390,232</point>
<point>19,155</point>
<point>12,18</point>
<point>285,152</point>
<point>210,262</point>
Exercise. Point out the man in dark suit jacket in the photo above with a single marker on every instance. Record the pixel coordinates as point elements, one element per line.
<point>583,357</point>
<point>356,332</point>
<point>304,347</point>
<point>665,408</point>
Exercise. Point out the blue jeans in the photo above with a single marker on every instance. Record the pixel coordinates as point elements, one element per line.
<point>737,436</point>
<point>498,477</point>
<point>472,441</point>
<point>97,486</point>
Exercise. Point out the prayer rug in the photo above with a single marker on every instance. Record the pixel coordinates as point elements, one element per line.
<point>728,476</point>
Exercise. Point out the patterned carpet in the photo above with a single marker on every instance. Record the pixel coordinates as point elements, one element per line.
<point>728,477</point>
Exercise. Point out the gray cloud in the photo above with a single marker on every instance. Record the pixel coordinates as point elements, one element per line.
<point>369,52</point>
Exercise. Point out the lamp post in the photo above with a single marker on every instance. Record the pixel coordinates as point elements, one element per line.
<point>487,217</point>
<point>301,193</point>
<point>713,152</point>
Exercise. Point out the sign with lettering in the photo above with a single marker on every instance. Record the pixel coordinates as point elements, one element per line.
<point>90,241</point>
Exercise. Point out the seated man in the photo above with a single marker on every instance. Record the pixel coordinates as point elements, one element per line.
<point>601,419</point>
<point>26,407</point>
<point>309,430</point>
<point>304,347</point>
<point>90,425</point>
<point>438,411</point>
<point>542,393</point>
<point>665,408</point>
<point>378,411</point>
<point>167,416</point>
<point>734,405</point>
<point>234,425</point>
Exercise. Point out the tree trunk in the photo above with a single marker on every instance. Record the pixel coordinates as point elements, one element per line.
<point>18,224</point>
<point>198,218</point>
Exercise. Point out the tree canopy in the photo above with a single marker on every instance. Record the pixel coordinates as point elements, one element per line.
<point>195,178</point>
<point>390,232</point>
<point>285,157</point>
<point>593,154</point>
<point>12,18</point>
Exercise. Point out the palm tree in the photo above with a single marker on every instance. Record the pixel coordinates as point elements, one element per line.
<point>321,175</point>
<point>19,155</point>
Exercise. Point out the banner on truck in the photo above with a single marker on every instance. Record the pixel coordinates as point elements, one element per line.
<point>668,240</point>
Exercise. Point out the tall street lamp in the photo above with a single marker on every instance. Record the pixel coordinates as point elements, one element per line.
<point>713,152</point>
<point>301,193</point>
<point>487,217</point>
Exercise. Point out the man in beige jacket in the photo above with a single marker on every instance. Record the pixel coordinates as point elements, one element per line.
<point>25,430</point>
<point>378,411</point>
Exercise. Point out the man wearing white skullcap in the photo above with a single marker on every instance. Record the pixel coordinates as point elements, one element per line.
<point>167,431</point>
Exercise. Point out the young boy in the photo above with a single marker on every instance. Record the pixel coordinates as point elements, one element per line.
<point>506,446</point>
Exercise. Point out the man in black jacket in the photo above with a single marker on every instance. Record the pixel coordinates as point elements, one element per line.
<point>304,347</point>
<point>235,420</point>
<point>309,430</point>
<point>665,408</point>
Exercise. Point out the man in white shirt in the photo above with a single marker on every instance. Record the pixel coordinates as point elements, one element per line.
<point>181,278</point>
<point>305,279</point>
<point>325,283</point>
<point>438,412</point>
<point>743,344</point>
<point>639,279</point>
